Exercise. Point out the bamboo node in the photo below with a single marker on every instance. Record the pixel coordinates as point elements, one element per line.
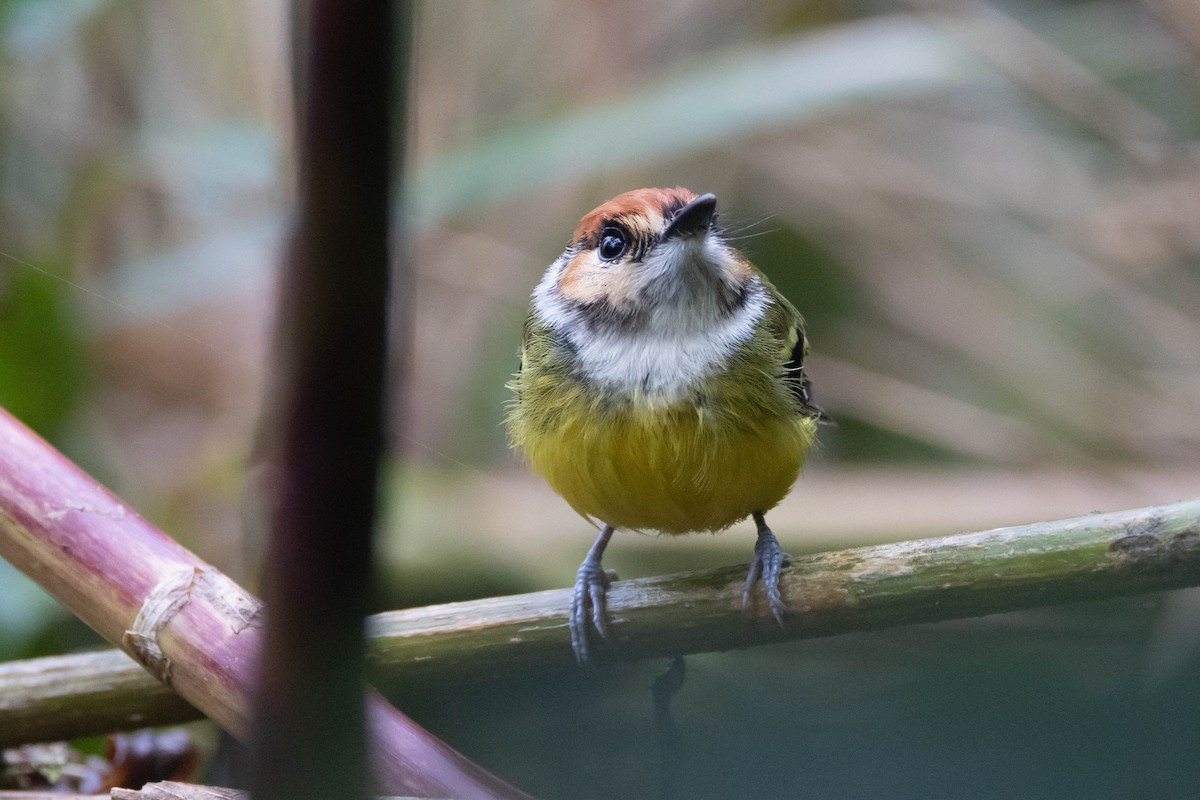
<point>158,608</point>
<point>236,607</point>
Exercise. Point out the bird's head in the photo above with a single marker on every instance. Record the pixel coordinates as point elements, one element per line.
<point>646,257</point>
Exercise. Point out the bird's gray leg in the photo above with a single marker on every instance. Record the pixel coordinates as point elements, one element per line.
<point>768,560</point>
<point>591,586</point>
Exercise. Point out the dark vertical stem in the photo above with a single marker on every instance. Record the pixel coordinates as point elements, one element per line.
<point>328,408</point>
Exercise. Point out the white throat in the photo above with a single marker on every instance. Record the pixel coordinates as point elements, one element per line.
<point>687,336</point>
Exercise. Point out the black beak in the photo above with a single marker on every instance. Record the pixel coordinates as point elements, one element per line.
<point>692,219</point>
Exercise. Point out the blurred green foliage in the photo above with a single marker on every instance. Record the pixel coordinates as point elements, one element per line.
<point>43,377</point>
<point>42,355</point>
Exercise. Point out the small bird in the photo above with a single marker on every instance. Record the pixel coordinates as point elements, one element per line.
<point>662,386</point>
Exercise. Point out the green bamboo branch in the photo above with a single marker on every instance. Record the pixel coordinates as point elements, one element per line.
<point>83,694</point>
<point>928,580</point>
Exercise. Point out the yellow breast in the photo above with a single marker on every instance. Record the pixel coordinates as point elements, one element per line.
<point>673,469</point>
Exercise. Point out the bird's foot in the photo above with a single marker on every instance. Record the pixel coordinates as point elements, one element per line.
<point>591,590</point>
<point>768,561</point>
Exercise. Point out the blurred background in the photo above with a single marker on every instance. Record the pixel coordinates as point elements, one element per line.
<point>989,213</point>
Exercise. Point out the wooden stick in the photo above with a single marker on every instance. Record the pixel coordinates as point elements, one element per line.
<point>83,694</point>
<point>927,580</point>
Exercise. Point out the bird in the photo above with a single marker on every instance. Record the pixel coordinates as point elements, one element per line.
<point>662,387</point>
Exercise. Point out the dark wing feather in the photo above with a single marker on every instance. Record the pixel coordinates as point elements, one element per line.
<point>800,385</point>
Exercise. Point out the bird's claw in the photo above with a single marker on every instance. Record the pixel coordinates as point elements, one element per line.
<point>767,563</point>
<point>591,589</point>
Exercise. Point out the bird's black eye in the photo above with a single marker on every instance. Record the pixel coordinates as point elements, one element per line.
<point>613,243</point>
